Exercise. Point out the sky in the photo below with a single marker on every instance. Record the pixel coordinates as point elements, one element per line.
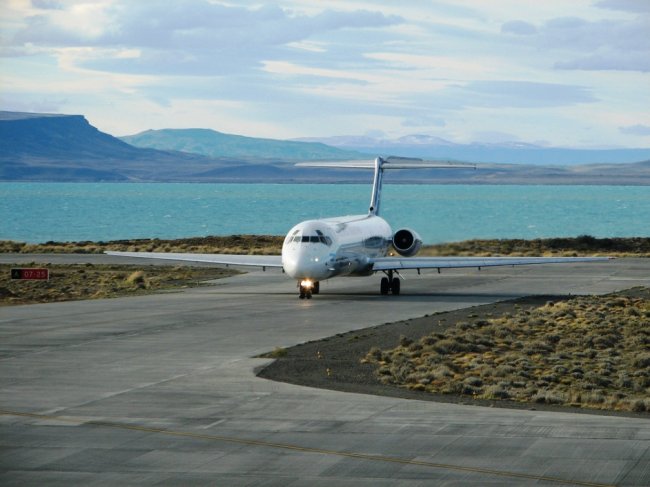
<point>552,72</point>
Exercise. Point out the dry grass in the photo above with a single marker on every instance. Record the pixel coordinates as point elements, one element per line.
<point>88,281</point>
<point>272,245</point>
<point>584,245</point>
<point>587,352</point>
<point>234,244</point>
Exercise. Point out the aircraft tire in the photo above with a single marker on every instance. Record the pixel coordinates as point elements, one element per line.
<point>384,286</point>
<point>395,286</point>
<point>316,288</point>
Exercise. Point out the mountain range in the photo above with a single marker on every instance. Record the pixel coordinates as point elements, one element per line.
<point>51,147</point>
<point>211,143</point>
<point>428,147</point>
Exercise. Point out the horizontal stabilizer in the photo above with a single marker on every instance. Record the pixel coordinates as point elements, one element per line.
<point>391,162</point>
<point>380,164</point>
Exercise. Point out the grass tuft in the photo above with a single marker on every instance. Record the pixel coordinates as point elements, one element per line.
<point>588,352</point>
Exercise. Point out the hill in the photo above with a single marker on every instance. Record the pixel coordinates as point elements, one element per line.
<point>429,147</point>
<point>49,147</point>
<point>52,147</point>
<point>67,148</point>
<point>217,144</point>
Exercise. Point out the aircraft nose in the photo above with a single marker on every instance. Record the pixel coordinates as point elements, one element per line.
<point>301,264</point>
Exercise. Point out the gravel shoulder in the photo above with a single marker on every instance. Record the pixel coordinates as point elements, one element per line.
<point>338,363</point>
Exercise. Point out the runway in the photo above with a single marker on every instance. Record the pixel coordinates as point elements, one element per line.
<point>161,390</point>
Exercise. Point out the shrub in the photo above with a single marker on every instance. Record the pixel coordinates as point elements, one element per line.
<point>638,406</point>
<point>642,360</point>
<point>137,278</point>
<point>374,354</point>
<point>474,381</point>
<point>549,397</point>
<point>496,392</point>
<point>537,347</point>
<point>278,352</point>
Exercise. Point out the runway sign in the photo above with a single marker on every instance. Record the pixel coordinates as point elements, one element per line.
<point>30,274</point>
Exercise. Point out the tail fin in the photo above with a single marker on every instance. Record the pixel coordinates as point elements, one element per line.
<point>380,164</point>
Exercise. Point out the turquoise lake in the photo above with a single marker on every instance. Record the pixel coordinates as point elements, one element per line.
<point>40,212</point>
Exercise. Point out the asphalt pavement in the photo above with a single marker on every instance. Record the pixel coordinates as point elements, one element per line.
<point>161,390</point>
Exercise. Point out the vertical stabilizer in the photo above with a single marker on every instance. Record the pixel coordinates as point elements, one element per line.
<point>375,199</point>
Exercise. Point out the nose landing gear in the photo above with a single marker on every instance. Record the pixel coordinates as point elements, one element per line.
<point>307,288</point>
<point>390,284</point>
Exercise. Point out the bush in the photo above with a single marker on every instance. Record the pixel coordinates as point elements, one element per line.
<point>642,360</point>
<point>136,277</point>
<point>496,392</point>
<point>638,406</point>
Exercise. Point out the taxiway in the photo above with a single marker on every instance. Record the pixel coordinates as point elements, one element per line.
<point>161,390</point>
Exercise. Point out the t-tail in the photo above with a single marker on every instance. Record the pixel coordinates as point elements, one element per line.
<point>380,164</point>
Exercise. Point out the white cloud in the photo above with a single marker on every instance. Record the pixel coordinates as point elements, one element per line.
<point>519,27</point>
<point>294,68</point>
<point>640,6</point>
<point>638,129</point>
<point>524,94</point>
<point>605,44</point>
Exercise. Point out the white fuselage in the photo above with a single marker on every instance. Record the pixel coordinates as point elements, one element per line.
<point>342,246</point>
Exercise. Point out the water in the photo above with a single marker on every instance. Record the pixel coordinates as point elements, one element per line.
<point>39,212</point>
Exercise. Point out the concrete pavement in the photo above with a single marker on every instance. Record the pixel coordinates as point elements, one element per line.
<point>161,390</point>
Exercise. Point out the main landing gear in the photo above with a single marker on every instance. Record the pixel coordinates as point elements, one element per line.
<point>307,288</point>
<point>390,284</point>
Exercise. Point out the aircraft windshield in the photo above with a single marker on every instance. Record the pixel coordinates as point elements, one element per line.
<point>318,238</point>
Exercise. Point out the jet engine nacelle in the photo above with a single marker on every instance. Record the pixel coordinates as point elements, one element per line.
<point>407,242</point>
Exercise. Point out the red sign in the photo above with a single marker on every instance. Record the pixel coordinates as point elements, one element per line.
<point>30,274</point>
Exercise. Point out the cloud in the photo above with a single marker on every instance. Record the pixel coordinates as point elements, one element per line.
<point>641,130</point>
<point>189,37</point>
<point>297,68</point>
<point>519,27</point>
<point>609,60</point>
<point>423,121</point>
<point>523,94</point>
<point>621,44</point>
<point>639,6</point>
<point>47,4</point>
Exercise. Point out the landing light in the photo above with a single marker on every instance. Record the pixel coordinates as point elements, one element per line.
<point>306,284</point>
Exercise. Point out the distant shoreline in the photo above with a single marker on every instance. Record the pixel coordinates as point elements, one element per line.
<point>527,182</point>
<point>584,245</point>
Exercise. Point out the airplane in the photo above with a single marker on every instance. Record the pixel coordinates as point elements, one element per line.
<point>359,245</point>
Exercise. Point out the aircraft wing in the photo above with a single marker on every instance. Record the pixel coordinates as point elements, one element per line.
<point>399,263</point>
<point>223,259</point>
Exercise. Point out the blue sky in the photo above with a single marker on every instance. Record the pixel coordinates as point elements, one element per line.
<point>572,74</point>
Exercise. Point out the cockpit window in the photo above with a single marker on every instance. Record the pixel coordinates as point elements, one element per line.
<point>320,238</point>
<point>292,237</point>
<point>324,239</point>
